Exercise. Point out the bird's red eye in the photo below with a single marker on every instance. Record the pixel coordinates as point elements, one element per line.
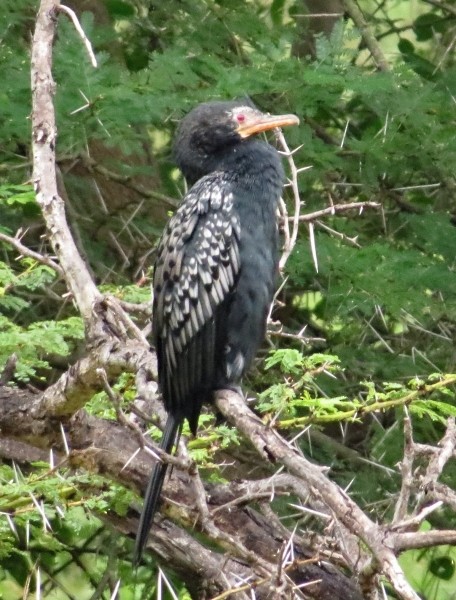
<point>240,118</point>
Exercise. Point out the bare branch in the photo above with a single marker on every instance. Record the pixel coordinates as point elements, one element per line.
<point>272,447</point>
<point>351,6</point>
<point>24,251</point>
<point>439,460</point>
<point>144,308</point>
<point>337,208</point>
<point>400,511</point>
<point>275,328</point>
<point>350,240</point>
<point>44,135</point>
<point>423,539</point>
<point>126,180</point>
<point>290,241</point>
<point>443,493</point>
<point>415,522</point>
<point>75,387</point>
<point>79,29</point>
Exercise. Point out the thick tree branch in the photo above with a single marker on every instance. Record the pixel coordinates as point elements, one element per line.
<point>107,448</point>
<point>77,385</point>
<point>44,138</point>
<point>439,460</point>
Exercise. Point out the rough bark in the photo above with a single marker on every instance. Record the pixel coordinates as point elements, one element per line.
<point>105,447</point>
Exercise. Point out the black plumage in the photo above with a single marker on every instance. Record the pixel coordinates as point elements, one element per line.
<point>215,268</point>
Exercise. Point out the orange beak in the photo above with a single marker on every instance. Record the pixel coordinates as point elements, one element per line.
<point>257,123</point>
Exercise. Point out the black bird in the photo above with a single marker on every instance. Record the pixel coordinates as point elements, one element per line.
<point>215,268</point>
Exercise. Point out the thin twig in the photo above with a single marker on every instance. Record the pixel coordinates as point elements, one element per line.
<point>291,242</point>
<point>415,522</point>
<point>79,29</point>
<point>126,180</point>
<point>115,399</point>
<point>350,240</point>
<point>337,208</point>
<point>300,337</point>
<point>439,460</point>
<point>24,251</point>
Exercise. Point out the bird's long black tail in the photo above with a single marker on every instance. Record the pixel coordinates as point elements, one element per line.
<point>154,488</point>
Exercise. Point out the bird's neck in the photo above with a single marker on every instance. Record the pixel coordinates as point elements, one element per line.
<point>250,160</point>
<point>243,163</point>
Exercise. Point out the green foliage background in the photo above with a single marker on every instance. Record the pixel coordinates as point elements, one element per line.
<point>384,299</point>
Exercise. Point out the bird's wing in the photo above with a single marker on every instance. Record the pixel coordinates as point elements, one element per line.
<point>195,272</point>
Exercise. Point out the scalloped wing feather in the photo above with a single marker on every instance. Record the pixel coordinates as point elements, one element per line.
<point>195,273</point>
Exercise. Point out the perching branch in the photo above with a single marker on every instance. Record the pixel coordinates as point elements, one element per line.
<point>272,447</point>
<point>107,447</point>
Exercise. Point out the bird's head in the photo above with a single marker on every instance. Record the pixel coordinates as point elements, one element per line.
<point>213,127</point>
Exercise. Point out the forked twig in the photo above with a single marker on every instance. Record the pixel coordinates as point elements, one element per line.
<point>290,239</point>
